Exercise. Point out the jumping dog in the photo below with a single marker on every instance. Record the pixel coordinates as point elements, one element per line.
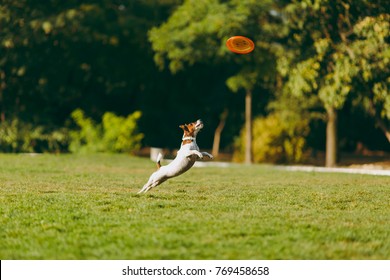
<point>185,159</point>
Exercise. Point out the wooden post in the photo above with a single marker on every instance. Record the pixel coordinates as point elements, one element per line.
<point>331,138</point>
<point>248,127</point>
<point>218,132</point>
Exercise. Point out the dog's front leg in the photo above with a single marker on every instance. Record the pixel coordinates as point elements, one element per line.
<point>195,152</point>
<point>207,155</point>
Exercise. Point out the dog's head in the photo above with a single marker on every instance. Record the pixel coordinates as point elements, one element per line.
<point>192,129</point>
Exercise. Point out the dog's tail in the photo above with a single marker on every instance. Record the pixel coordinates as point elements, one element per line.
<point>158,160</point>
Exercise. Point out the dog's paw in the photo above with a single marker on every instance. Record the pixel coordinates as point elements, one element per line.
<point>200,155</point>
<point>208,155</point>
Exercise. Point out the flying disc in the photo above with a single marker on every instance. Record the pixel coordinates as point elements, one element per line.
<point>240,44</point>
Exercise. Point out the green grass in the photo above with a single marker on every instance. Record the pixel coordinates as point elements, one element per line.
<point>86,207</point>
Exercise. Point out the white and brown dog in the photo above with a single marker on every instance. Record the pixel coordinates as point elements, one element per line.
<point>185,159</point>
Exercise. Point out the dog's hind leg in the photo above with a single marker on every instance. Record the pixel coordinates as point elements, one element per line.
<point>154,180</point>
<point>155,184</point>
<point>149,186</point>
<point>145,188</point>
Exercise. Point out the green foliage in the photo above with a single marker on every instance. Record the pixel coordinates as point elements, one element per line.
<point>244,80</point>
<point>88,138</point>
<point>20,137</point>
<point>114,134</point>
<point>190,34</point>
<point>86,207</point>
<point>120,134</point>
<point>371,53</point>
<point>381,93</point>
<point>276,139</point>
<point>347,50</point>
<point>56,55</point>
<point>197,31</point>
<point>338,52</point>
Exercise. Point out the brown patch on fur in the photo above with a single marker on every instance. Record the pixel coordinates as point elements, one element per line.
<point>189,130</point>
<point>186,142</point>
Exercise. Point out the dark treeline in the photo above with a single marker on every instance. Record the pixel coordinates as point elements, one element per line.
<point>159,57</point>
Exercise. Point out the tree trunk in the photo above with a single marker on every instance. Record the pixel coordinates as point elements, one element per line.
<point>381,124</point>
<point>331,138</point>
<point>385,131</point>
<point>378,120</point>
<point>248,127</point>
<point>218,132</point>
<point>2,87</point>
<point>2,113</point>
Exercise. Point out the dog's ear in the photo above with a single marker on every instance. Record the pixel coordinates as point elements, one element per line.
<point>184,127</point>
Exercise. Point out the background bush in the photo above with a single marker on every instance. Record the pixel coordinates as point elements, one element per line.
<point>114,134</point>
<point>275,140</point>
<point>20,137</point>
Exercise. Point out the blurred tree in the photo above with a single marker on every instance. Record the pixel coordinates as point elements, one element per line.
<point>370,53</point>
<point>56,56</point>
<point>59,55</point>
<point>196,33</point>
<point>334,49</point>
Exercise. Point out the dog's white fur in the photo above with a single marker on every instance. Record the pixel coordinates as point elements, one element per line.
<point>185,159</point>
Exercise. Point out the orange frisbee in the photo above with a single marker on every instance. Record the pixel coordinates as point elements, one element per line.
<point>240,44</point>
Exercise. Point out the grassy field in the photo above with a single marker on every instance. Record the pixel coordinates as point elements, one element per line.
<point>86,207</point>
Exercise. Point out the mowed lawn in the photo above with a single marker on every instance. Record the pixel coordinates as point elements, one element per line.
<point>86,207</point>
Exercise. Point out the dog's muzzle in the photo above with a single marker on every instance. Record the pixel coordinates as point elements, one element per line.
<point>199,124</point>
